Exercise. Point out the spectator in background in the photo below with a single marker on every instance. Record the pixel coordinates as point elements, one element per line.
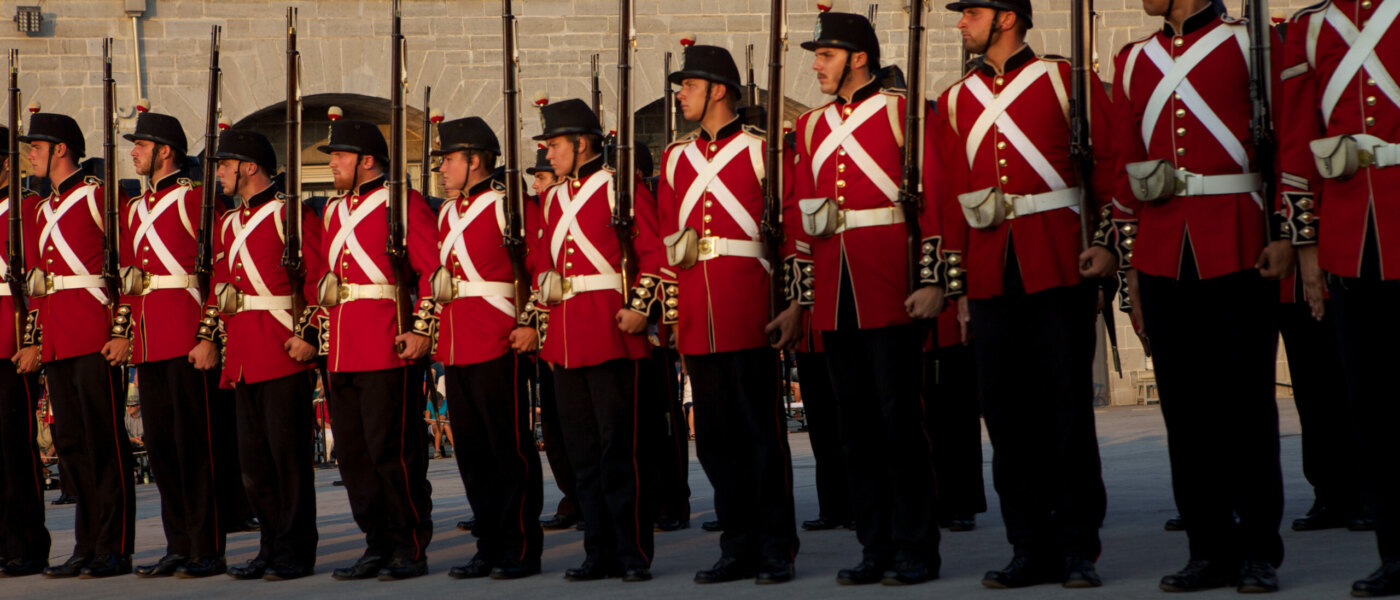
<point>134,430</point>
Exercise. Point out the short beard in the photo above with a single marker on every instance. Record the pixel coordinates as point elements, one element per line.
<point>972,46</point>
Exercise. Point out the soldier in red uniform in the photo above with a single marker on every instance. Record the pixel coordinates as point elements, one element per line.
<point>375,384</point>
<point>1339,158</point>
<point>82,338</point>
<point>24,541</point>
<point>595,340</point>
<point>1191,222</point>
<point>482,342</point>
<point>268,354</point>
<point>709,208</point>
<point>178,401</point>
<point>846,179</point>
<point>1012,233</point>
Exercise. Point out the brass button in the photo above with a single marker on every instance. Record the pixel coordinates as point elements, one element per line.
<point>841,152</point>
<point>840,199</point>
<point>1181,152</point>
<point>145,261</point>
<point>569,237</point>
<point>707,232</point>
<point>238,278</point>
<point>571,250</point>
<point>1001,162</point>
<point>1178,42</point>
<point>1001,145</point>
<point>1370,81</point>
<point>577,184</point>
<point>714,147</point>
<point>1180,132</point>
<point>238,265</point>
<point>841,168</point>
<point>709,203</point>
<point>568,265</point>
<point>840,183</point>
<point>247,212</point>
<point>709,218</point>
<point>146,249</point>
<point>1366,4</point>
<point>847,111</point>
<point>1004,179</point>
<point>1370,101</point>
<point>50,247</point>
<point>1000,81</point>
<point>1176,97</point>
<point>1180,112</point>
<point>345,265</point>
<point>1370,121</point>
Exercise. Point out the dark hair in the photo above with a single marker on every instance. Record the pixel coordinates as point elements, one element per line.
<point>595,142</point>
<point>488,159</point>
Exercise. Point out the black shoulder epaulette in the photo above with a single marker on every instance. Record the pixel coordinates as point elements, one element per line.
<point>91,180</point>
<point>498,185</point>
<point>757,132</point>
<point>1307,10</point>
<point>185,181</point>
<point>1054,57</point>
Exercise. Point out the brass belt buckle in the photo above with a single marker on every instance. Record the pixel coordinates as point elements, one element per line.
<point>706,247</point>
<point>344,292</point>
<point>145,283</point>
<point>238,302</point>
<point>567,284</point>
<point>48,283</point>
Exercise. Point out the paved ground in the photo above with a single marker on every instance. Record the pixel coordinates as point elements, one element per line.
<point>1137,552</point>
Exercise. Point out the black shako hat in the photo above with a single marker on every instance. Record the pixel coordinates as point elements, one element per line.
<point>1022,8</point>
<point>541,163</point>
<point>570,117</point>
<point>710,63</point>
<point>847,31</point>
<point>161,129</point>
<point>360,137</point>
<point>247,145</point>
<point>4,139</point>
<point>470,133</point>
<point>57,129</point>
<point>641,158</point>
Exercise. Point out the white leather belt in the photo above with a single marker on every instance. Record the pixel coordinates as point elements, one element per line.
<point>579,284</point>
<point>869,217</point>
<point>715,247</point>
<point>54,283</point>
<point>1383,153</point>
<point>477,289</point>
<point>366,291</point>
<point>150,283</point>
<point>1193,184</point>
<point>4,289</point>
<point>250,302</point>
<point>1029,204</point>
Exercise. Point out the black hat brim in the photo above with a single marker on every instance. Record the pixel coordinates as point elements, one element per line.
<point>461,147</point>
<point>329,148</point>
<point>243,157</point>
<point>568,131</point>
<point>676,77</point>
<point>533,170</point>
<point>27,139</point>
<point>992,4</point>
<point>131,137</point>
<point>814,45</point>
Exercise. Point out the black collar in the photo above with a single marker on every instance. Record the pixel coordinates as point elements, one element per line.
<point>74,180</point>
<point>592,166</point>
<point>259,198</point>
<point>1195,22</point>
<point>866,91</point>
<point>729,129</point>
<point>481,187</point>
<point>1018,59</point>
<point>371,185</point>
<point>168,181</point>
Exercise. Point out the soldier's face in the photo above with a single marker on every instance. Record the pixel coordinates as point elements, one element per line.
<point>560,154</point>
<point>1156,8</point>
<point>693,98</point>
<point>343,169</point>
<point>542,182</point>
<point>142,155</point>
<point>976,29</point>
<point>829,64</point>
<point>227,173</point>
<point>39,157</point>
<point>454,170</point>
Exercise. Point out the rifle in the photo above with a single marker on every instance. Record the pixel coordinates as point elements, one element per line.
<point>750,89</point>
<point>15,254</point>
<point>514,237</point>
<point>1081,151</point>
<point>426,177</point>
<point>911,187</point>
<point>596,91</point>
<point>397,244</point>
<point>110,220</point>
<point>773,163</point>
<point>291,225</point>
<point>1261,124</point>
<point>668,111</point>
<point>626,177</point>
<point>204,255</point>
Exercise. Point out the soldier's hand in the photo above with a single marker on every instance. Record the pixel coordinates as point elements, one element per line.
<point>964,317</point>
<point>524,339</point>
<point>631,321</point>
<point>925,303</point>
<point>1276,260</point>
<point>117,351</point>
<point>26,360</point>
<point>299,350</point>
<point>204,355</point>
<point>1314,286</point>
<point>414,345</point>
<point>788,324</point>
<point>1097,263</point>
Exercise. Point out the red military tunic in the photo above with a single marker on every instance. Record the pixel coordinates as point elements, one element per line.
<point>852,152</point>
<point>1202,125</point>
<point>248,254</point>
<point>74,321</point>
<point>579,239</point>
<point>1322,101</point>
<point>715,186</point>
<point>362,332</point>
<point>160,237</point>
<point>1024,151</point>
<point>12,324</point>
<point>476,329</point>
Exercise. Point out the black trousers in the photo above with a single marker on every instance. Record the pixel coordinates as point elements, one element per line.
<point>875,374</point>
<point>598,406</point>
<point>1364,310</point>
<point>177,403</point>
<point>89,431</point>
<point>380,441</point>
<point>954,424</point>
<point>22,531</point>
<point>1035,370</point>
<point>275,446</point>
<point>1215,369</point>
<point>824,434</point>
<point>496,455</point>
<point>551,432</point>
<point>741,438</point>
<point>664,436</point>
<point>1324,411</point>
